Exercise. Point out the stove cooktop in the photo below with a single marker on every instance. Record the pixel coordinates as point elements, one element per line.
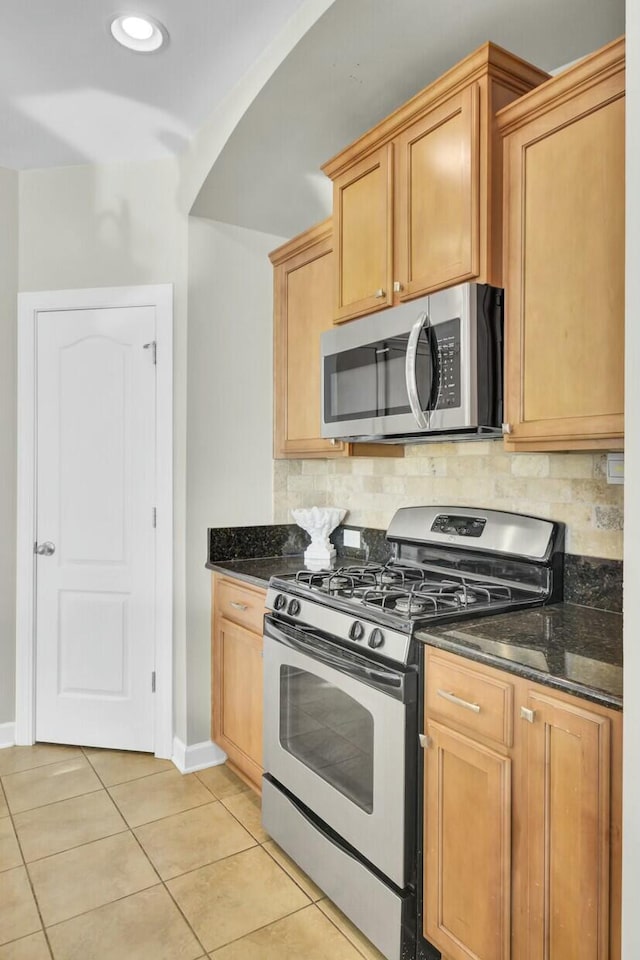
<point>408,592</point>
<point>448,564</point>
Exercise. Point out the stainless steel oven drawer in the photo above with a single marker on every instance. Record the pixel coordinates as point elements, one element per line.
<point>382,913</point>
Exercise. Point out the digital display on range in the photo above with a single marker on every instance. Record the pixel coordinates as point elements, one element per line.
<point>459,526</point>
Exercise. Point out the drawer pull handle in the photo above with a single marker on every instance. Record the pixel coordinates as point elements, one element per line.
<point>239,606</point>
<point>451,697</point>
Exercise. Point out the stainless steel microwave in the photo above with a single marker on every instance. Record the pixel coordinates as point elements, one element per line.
<point>429,369</point>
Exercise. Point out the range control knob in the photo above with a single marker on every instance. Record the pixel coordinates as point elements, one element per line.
<point>376,638</point>
<point>294,608</point>
<point>356,631</point>
<point>280,601</point>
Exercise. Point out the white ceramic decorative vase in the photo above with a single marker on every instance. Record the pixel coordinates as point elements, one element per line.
<point>319,522</point>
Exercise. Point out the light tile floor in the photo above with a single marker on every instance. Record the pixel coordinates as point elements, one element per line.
<point>106,855</point>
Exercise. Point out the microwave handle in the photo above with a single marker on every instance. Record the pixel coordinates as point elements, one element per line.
<point>411,374</point>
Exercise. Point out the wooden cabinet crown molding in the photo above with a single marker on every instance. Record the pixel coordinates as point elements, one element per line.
<point>567,85</point>
<point>509,70</point>
<point>302,243</point>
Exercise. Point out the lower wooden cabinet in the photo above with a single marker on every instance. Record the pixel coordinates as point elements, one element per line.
<point>567,792</point>
<point>467,858</point>
<point>236,693</point>
<point>522,846</point>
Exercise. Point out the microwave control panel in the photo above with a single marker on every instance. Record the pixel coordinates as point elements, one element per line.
<point>448,336</point>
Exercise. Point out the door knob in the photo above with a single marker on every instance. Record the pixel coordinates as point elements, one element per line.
<point>46,549</point>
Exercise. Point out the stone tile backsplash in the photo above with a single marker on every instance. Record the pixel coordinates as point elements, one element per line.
<point>568,487</point>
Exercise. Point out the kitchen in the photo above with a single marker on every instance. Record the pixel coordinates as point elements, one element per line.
<point>158,245</point>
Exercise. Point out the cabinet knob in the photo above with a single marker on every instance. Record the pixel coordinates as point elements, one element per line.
<point>425,741</point>
<point>379,294</point>
<point>397,286</point>
<point>527,714</point>
<point>506,428</point>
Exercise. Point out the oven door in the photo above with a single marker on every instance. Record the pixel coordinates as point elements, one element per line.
<point>339,735</point>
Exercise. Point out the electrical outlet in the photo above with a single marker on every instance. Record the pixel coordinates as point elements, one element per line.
<point>615,468</point>
<point>351,538</point>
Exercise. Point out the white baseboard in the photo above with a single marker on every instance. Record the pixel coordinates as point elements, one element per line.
<point>197,756</point>
<point>7,734</point>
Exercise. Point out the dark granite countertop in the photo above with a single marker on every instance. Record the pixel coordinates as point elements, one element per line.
<point>258,570</point>
<point>573,648</point>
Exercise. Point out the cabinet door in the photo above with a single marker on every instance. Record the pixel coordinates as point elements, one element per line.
<point>467,860</point>
<point>238,696</point>
<point>567,799</point>
<point>437,238</point>
<point>363,219</point>
<point>302,311</point>
<point>565,273</point>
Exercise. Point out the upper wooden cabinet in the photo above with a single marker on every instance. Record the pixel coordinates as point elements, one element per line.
<point>564,258</point>
<point>302,311</point>
<point>303,284</point>
<point>417,200</point>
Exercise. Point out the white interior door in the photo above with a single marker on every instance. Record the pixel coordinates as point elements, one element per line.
<point>95,607</point>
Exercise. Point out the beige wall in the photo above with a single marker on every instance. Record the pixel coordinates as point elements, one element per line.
<point>8,289</point>
<point>230,389</point>
<point>566,487</point>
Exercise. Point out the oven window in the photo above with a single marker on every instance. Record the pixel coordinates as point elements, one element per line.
<point>328,731</point>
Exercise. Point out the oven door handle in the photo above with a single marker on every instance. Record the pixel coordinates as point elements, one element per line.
<point>394,684</point>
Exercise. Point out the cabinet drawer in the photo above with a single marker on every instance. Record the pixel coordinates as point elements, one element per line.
<point>470,698</point>
<point>240,604</point>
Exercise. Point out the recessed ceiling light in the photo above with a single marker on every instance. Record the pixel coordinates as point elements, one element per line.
<point>138,33</point>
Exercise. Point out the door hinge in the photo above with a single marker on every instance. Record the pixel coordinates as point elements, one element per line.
<point>154,517</point>
<point>153,682</point>
<point>153,346</point>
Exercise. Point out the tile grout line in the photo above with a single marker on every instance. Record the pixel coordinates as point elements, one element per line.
<point>293,879</point>
<point>77,846</point>
<point>76,796</point>
<point>264,926</point>
<point>220,860</point>
<point>334,924</point>
<point>39,766</point>
<point>153,867</point>
<point>25,865</point>
<point>43,929</point>
<point>121,783</point>
<point>161,882</point>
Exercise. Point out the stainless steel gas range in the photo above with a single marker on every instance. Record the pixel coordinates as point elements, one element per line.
<point>342,700</point>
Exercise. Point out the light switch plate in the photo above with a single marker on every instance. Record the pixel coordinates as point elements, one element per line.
<point>615,468</point>
<point>351,538</point>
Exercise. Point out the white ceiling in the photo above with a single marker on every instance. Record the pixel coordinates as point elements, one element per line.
<point>359,61</point>
<point>70,94</point>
